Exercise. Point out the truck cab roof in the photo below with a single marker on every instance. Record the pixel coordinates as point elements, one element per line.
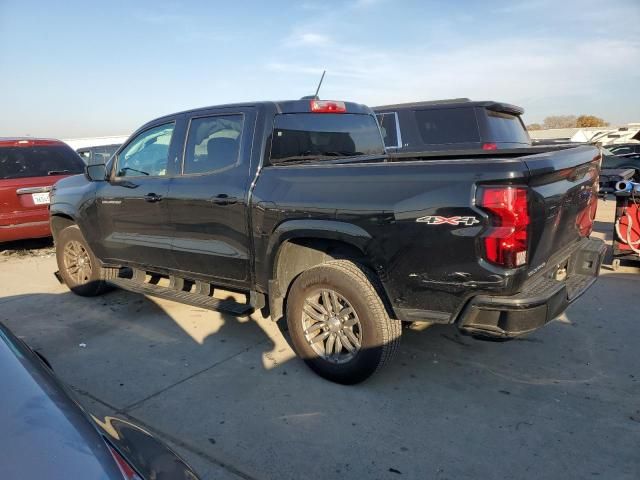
<point>279,106</point>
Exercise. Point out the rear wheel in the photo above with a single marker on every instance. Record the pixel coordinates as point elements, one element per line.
<point>338,322</point>
<point>79,267</point>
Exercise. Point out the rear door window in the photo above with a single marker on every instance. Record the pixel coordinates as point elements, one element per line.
<point>447,125</point>
<point>213,143</point>
<point>506,128</point>
<point>39,161</point>
<point>324,136</point>
<point>390,129</point>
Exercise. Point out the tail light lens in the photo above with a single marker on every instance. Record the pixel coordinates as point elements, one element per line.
<point>585,219</point>
<point>128,473</point>
<point>506,241</point>
<point>489,146</point>
<point>327,106</point>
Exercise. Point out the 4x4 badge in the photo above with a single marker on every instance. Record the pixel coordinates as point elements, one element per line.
<point>438,220</point>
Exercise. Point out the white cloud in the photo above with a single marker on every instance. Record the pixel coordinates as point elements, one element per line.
<point>546,70</point>
<point>366,3</point>
<point>551,74</point>
<point>313,39</point>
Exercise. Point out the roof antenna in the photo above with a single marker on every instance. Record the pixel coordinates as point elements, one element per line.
<point>315,97</point>
<point>319,85</point>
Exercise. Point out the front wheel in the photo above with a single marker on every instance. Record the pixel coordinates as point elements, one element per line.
<point>79,267</point>
<point>339,324</point>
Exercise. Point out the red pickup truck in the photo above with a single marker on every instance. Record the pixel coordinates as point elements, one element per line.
<point>28,169</point>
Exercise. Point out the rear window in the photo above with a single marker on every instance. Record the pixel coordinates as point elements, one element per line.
<point>504,127</point>
<point>39,161</point>
<point>447,125</point>
<point>324,136</point>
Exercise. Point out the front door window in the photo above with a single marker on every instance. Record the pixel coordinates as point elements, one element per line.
<point>147,154</point>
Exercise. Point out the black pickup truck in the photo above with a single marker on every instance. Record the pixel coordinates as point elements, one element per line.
<point>297,205</point>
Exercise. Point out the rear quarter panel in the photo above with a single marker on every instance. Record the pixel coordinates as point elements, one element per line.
<point>422,266</point>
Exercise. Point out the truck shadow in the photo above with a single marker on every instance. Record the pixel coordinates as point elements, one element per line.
<point>123,347</point>
<point>206,380</point>
<point>138,346</point>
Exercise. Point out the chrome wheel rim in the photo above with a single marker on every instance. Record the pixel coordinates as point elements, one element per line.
<point>77,262</point>
<point>331,326</point>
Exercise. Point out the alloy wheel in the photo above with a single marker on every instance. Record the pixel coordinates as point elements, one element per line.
<point>331,326</point>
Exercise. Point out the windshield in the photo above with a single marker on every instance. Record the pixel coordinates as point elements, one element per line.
<point>39,161</point>
<point>313,136</point>
<point>611,160</point>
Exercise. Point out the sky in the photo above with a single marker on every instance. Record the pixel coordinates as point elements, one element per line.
<point>77,69</point>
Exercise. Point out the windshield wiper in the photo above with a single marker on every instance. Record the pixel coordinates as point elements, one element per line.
<point>58,172</point>
<point>342,154</point>
<point>129,169</point>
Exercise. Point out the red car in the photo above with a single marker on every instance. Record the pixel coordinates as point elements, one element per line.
<point>28,169</point>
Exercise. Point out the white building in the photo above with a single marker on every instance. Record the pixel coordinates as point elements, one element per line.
<point>629,133</point>
<point>77,143</point>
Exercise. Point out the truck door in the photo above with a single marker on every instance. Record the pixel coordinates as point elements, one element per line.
<point>132,210</point>
<point>207,200</point>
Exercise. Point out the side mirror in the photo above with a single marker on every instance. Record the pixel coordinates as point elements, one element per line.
<point>96,173</point>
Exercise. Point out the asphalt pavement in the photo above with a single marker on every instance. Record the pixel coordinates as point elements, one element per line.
<point>229,395</point>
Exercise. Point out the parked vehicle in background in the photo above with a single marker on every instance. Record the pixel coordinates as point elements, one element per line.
<point>28,169</point>
<point>624,149</point>
<point>97,155</point>
<point>297,205</point>
<point>624,161</point>
<point>47,434</point>
<point>458,124</point>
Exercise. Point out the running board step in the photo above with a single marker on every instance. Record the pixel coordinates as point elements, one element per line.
<point>195,299</point>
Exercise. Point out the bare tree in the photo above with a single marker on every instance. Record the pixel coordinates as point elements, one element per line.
<point>534,126</point>
<point>560,121</point>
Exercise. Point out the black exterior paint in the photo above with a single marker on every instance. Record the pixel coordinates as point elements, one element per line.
<point>474,112</point>
<point>369,203</point>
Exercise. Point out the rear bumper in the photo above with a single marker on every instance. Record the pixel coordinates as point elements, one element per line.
<point>23,231</point>
<point>541,300</point>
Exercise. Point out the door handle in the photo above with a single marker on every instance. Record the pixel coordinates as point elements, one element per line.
<point>224,199</point>
<point>152,197</point>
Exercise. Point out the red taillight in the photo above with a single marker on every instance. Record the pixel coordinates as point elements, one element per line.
<point>505,243</point>
<point>585,219</point>
<point>327,106</point>
<point>489,146</point>
<point>127,472</point>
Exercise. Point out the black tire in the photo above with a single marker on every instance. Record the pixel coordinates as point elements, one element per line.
<point>88,282</point>
<point>379,334</point>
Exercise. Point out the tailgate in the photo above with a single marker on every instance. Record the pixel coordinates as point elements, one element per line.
<point>564,187</point>
<point>24,200</point>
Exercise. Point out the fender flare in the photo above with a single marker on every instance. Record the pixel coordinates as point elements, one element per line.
<point>332,230</point>
<point>61,211</point>
<point>321,229</point>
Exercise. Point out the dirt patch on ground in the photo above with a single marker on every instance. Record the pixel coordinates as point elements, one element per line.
<point>39,247</point>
